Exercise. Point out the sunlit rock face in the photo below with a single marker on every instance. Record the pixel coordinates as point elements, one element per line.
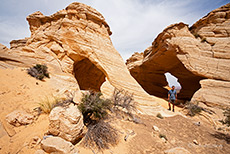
<point>75,44</point>
<point>190,54</point>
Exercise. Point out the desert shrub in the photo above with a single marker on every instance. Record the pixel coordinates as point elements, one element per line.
<point>159,116</point>
<point>123,102</point>
<point>100,136</point>
<point>226,120</point>
<point>38,71</point>
<point>192,108</point>
<point>93,107</point>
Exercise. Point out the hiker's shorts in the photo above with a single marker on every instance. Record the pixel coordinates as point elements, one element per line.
<point>172,101</point>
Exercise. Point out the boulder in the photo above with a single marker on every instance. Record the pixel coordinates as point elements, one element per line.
<point>191,54</point>
<point>19,117</point>
<point>58,145</point>
<point>66,122</point>
<point>213,93</point>
<point>78,95</point>
<point>177,150</point>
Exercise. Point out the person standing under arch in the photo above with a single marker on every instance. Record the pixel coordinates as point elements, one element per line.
<point>172,97</point>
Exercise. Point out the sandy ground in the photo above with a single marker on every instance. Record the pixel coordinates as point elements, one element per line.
<point>20,91</point>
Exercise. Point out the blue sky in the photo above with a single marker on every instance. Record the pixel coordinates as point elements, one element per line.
<point>134,23</point>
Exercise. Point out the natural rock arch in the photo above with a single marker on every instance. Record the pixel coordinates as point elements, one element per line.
<point>88,76</point>
<point>195,55</point>
<point>150,74</point>
<point>73,37</point>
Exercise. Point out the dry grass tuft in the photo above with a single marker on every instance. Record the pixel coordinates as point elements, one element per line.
<point>48,103</point>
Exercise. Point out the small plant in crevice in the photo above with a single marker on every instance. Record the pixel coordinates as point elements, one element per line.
<point>193,109</point>
<point>226,120</point>
<point>38,71</point>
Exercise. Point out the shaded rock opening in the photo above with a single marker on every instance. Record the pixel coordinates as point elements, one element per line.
<point>151,76</point>
<point>88,76</point>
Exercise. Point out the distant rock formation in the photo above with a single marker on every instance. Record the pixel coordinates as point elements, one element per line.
<point>192,55</point>
<point>76,46</point>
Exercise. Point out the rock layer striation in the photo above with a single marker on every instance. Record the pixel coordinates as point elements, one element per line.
<point>75,44</point>
<point>192,54</point>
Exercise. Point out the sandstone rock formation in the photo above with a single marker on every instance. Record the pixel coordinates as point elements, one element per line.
<point>213,93</point>
<point>54,145</point>
<point>76,46</point>
<point>66,122</point>
<point>191,54</point>
<point>18,43</point>
<point>19,117</point>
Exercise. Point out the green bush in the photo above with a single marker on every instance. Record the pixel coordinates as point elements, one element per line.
<point>226,113</point>
<point>38,71</point>
<point>93,107</point>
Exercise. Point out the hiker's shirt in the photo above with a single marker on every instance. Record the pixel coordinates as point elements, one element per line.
<point>172,94</point>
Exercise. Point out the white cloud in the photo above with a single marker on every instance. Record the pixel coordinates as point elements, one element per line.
<point>134,23</point>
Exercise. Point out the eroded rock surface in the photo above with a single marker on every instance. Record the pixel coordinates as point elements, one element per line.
<point>213,93</point>
<point>190,54</point>
<point>58,145</point>
<point>66,122</point>
<point>75,44</point>
<point>19,117</point>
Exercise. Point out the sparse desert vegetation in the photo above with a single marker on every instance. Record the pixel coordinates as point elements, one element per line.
<point>100,136</point>
<point>193,108</point>
<point>94,107</point>
<point>38,71</point>
<point>226,120</point>
<point>95,110</point>
<point>48,103</point>
<point>128,112</point>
